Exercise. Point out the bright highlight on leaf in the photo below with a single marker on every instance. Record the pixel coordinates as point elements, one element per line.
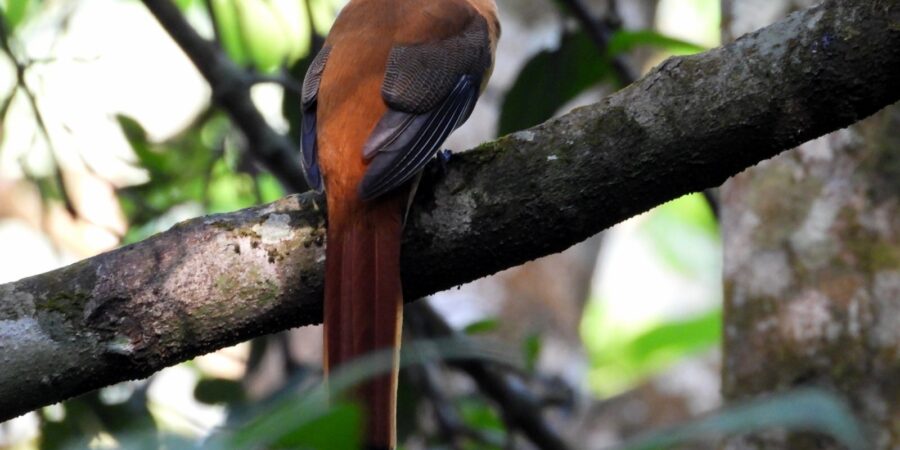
<point>267,34</point>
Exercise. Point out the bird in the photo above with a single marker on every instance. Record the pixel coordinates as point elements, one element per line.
<point>393,79</point>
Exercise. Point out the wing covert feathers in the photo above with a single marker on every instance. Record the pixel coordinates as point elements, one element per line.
<point>419,76</point>
<point>402,143</point>
<point>308,145</point>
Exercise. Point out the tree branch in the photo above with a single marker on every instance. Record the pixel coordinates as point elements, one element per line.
<point>231,91</point>
<point>217,280</point>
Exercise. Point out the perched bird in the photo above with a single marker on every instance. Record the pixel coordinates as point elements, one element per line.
<point>393,80</point>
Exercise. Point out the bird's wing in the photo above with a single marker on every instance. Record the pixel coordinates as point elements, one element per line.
<point>430,89</point>
<point>308,128</point>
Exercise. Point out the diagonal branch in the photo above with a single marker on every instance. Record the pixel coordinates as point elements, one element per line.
<point>688,125</point>
<point>231,91</point>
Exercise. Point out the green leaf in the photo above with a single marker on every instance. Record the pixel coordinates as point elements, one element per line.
<point>684,232</point>
<point>549,80</point>
<point>624,41</point>
<point>480,415</point>
<point>531,347</point>
<point>217,391</point>
<point>263,34</point>
<point>225,13</point>
<point>801,410</point>
<point>269,187</point>
<point>623,353</point>
<point>482,326</point>
<point>678,338</point>
<point>181,171</point>
<point>14,13</point>
<point>137,138</point>
<point>336,429</point>
<point>183,5</point>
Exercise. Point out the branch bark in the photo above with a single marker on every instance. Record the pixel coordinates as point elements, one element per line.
<point>217,280</point>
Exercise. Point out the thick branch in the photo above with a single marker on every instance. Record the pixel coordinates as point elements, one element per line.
<point>217,280</point>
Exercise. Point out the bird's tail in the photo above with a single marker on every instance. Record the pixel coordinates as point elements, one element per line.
<point>363,303</point>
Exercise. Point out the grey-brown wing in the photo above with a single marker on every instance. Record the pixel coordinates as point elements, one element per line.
<point>308,146</point>
<point>430,90</point>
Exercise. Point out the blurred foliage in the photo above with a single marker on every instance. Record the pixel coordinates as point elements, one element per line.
<point>624,354</point>
<point>812,410</point>
<point>624,41</point>
<point>201,166</point>
<point>270,34</point>
<point>554,77</point>
<point>549,80</point>
<point>265,34</point>
<point>15,11</point>
<point>684,235</point>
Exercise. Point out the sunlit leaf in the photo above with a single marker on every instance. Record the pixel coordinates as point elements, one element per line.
<point>269,187</point>
<point>295,25</point>
<point>225,14</point>
<point>14,12</point>
<point>264,34</point>
<point>531,347</point>
<point>623,41</point>
<point>184,4</point>
<point>324,13</point>
<point>684,233</point>
<point>482,326</point>
<point>624,354</point>
<point>678,338</point>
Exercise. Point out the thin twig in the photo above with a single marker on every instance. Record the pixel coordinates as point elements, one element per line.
<point>449,420</point>
<point>520,408</point>
<point>600,34</point>
<point>282,79</point>
<point>22,84</point>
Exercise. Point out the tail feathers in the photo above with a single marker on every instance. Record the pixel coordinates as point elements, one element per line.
<point>363,305</point>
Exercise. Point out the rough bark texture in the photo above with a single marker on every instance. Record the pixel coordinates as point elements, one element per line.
<point>812,273</point>
<point>686,126</point>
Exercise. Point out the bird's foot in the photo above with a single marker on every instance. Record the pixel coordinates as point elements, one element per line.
<point>440,162</point>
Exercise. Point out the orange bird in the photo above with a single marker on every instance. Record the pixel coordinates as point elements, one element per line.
<point>393,80</point>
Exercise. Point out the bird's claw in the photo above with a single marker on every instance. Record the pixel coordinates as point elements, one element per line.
<point>441,159</point>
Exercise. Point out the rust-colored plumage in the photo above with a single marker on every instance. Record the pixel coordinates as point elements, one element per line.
<point>394,78</point>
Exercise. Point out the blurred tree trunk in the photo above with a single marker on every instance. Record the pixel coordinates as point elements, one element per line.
<point>812,267</point>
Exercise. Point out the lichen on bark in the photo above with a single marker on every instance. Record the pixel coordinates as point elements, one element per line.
<point>812,275</point>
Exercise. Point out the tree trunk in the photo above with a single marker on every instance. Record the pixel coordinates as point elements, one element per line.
<point>812,269</point>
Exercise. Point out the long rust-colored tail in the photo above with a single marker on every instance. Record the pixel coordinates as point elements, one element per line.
<point>363,302</point>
